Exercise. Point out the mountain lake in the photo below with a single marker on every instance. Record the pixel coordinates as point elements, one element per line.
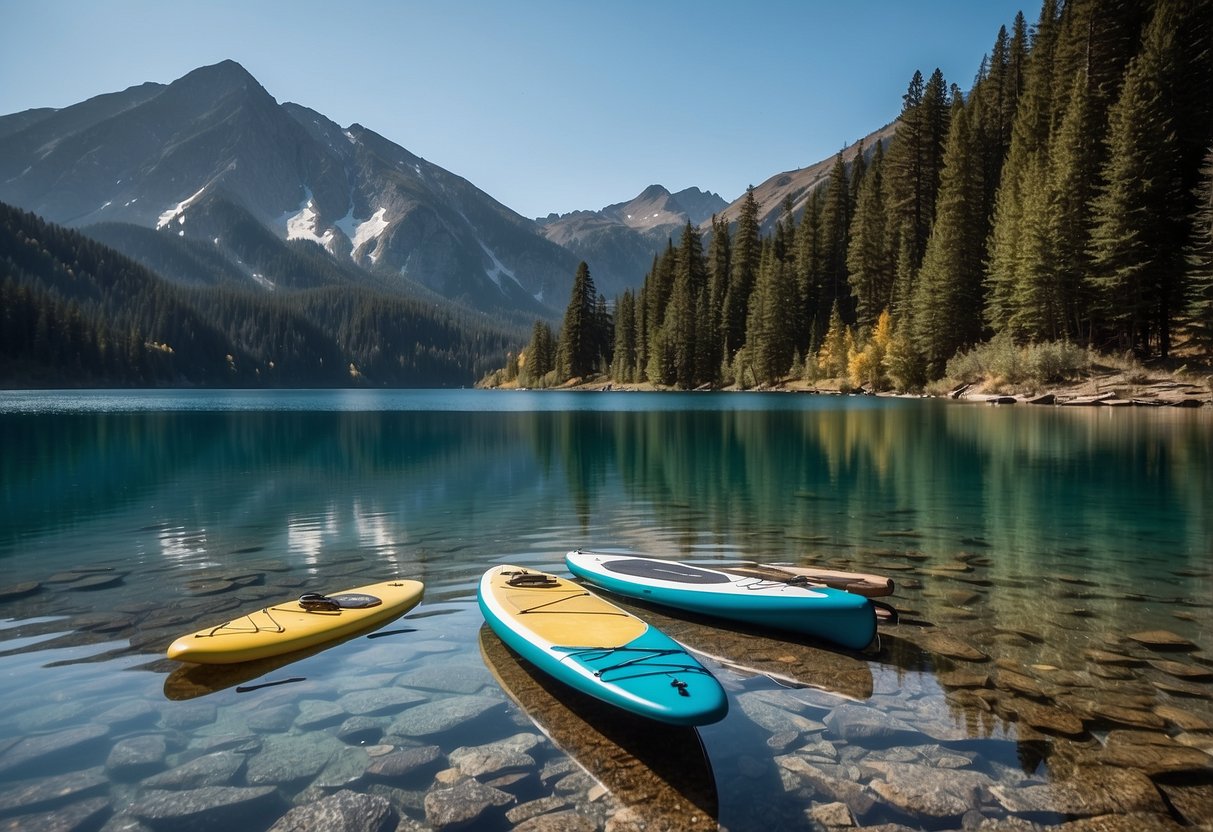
<point>1052,666</point>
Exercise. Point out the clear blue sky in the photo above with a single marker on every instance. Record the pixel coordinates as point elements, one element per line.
<point>547,105</point>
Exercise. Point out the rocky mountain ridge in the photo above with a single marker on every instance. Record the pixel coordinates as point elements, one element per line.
<point>157,155</point>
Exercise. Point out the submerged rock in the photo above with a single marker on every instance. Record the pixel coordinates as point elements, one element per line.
<point>289,759</point>
<point>20,590</point>
<point>1182,670</point>
<point>217,769</point>
<point>214,807</point>
<point>446,677</point>
<point>381,702</point>
<point>1153,753</point>
<point>924,790</point>
<point>442,715</point>
<point>952,648</point>
<point>405,762</point>
<point>74,741</point>
<point>49,792</point>
<point>496,758</point>
<point>870,727</point>
<point>774,713</point>
<point>1088,792</point>
<point>136,756</point>
<point>464,803</point>
<point>345,811</point>
<point>1162,640</point>
<point>86,814</point>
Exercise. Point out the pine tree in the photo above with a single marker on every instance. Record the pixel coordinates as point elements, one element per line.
<point>1072,178</point>
<point>719,252</point>
<point>835,289</point>
<point>743,272</point>
<point>808,271</point>
<point>769,326</point>
<point>1140,228</point>
<point>947,295</point>
<point>623,363</point>
<point>857,171</point>
<point>604,341</point>
<point>869,263</point>
<point>577,353</point>
<point>681,321</point>
<point>1200,262</point>
<point>540,355</point>
<point>912,170</point>
<point>1024,173</point>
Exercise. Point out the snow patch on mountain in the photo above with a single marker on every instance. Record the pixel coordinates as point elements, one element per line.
<point>363,231</point>
<point>499,269</point>
<point>177,212</point>
<point>302,224</point>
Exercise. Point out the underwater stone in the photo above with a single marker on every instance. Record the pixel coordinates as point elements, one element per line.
<point>48,792</point>
<point>135,756</point>
<point>33,749</point>
<point>462,804</point>
<point>402,763</point>
<point>442,715</point>
<point>1087,792</point>
<point>953,648</point>
<point>379,702</point>
<point>1180,670</point>
<point>926,790</point>
<point>345,811</point>
<point>217,769</point>
<point>208,808</point>
<point>86,814</point>
<point>1162,640</point>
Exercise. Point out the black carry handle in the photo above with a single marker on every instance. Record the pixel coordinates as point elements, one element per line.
<point>315,602</point>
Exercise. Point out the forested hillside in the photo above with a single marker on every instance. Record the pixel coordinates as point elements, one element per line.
<point>1065,197</point>
<point>75,312</point>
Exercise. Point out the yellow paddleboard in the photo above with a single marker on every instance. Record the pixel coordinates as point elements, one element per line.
<point>296,624</point>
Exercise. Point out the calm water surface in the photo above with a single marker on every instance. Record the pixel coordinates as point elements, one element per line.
<point>1029,546</point>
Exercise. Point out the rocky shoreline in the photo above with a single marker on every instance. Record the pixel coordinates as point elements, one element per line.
<point>1101,389</point>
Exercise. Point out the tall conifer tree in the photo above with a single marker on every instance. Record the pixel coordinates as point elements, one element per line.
<point>834,288</point>
<point>947,295</point>
<point>1200,261</point>
<point>1140,225</point>
<point>869,263</point>
<point>623,360</point>
<point>577,352</point>
<point>743,272</point>
<point>809,268</point>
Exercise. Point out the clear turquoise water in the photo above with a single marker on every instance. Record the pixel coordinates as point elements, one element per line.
<point>325,489</point>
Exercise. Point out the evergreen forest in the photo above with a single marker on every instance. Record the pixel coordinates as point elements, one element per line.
<point>1065,198</point>
<point>74,312</point>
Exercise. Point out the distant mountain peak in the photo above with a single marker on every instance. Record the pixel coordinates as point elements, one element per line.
<point>653,192</point>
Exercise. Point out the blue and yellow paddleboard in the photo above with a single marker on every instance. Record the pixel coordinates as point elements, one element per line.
<point>594,646</point>
<point>831,614</point>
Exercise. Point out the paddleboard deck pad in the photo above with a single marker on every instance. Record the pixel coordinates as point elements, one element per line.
<point>592,645</point>
<point>830,614</point>
<point>307,621</point>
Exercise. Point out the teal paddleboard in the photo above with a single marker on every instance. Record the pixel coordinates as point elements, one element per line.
<point>830,614</point>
